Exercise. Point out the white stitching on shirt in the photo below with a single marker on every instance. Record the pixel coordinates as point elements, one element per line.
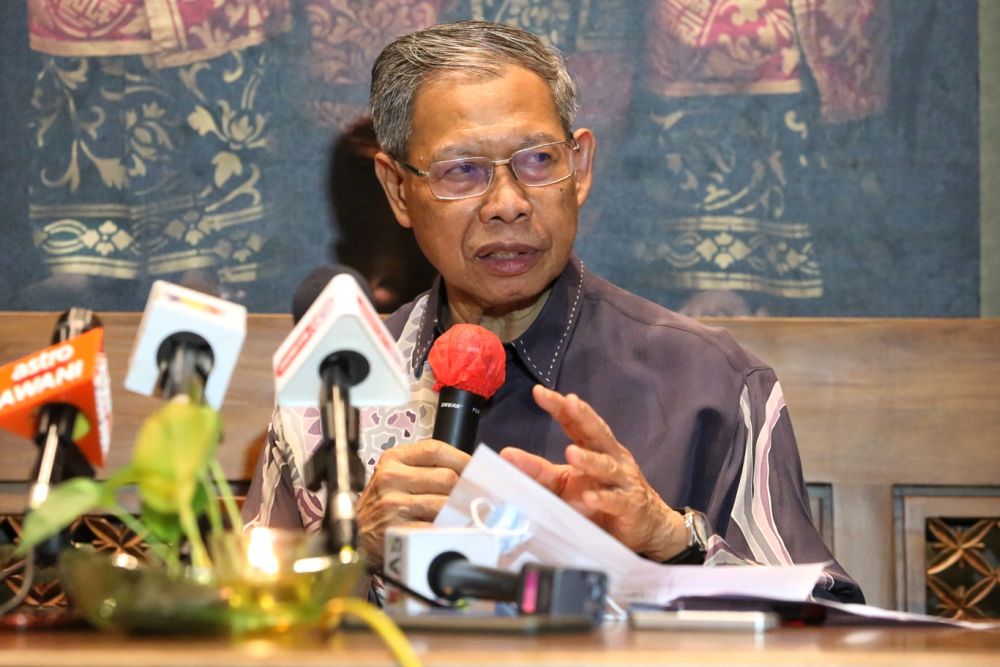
<point>420,329</point>
<point>569,325</point>
<point>528,357</point>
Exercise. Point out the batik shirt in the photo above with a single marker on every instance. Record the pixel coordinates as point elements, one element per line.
<point>705,420</point>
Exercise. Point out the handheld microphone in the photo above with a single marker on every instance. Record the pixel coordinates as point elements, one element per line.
<point>188,343</point>
<point>340,352</point>
<point>469,364</point>
<point>410,550</point>
<point>313,285</point>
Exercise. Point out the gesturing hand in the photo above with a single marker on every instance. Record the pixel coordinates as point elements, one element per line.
<point>602,480</point>
<point>410,485</point>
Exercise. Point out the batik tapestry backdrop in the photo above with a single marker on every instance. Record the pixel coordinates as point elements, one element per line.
<point>729,119</point>
<point>781,157</point>
<point>150,143</point>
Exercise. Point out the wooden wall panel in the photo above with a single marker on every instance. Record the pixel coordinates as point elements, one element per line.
<point>888,400</point>
<point>876,403</point>
<point>245,412</point>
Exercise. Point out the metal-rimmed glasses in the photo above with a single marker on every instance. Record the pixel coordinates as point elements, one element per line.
<point>465,177</point>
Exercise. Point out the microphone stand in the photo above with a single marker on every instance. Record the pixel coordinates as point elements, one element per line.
<point>59,458</point>
<point>336,462</point>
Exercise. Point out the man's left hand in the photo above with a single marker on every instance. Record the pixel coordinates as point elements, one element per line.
<point>602,480</point>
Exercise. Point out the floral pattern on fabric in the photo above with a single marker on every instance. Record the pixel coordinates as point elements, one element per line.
<point>345,38</point>
<point>116,190</point>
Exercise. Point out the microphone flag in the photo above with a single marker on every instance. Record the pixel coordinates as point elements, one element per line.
<point>173,310</point>
<point>74,372</point>
<point>341,319</point>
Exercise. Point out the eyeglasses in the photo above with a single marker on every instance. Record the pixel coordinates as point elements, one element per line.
<point>544,164</point>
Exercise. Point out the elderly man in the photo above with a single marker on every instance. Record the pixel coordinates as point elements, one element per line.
<point>694,458</point>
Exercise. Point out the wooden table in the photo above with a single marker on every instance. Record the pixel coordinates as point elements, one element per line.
<point>614,644</point>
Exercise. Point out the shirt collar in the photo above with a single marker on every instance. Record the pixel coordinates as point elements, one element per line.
<point>541,348</point>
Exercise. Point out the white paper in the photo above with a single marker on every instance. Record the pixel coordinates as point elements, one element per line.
<point>562,537</point>
<point>879,615</point>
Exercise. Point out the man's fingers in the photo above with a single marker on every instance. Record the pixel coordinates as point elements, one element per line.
<point>543,471</point>
<point>394,508</point>
<point>429,454</point>
<point>580,422</point>
<point>599,467</point>
<point>395,476</point>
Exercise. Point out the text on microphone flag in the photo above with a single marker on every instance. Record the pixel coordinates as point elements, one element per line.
<point>75,372</point>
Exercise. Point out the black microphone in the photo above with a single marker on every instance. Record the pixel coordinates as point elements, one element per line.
<point>59,458</point>
<point>185,360</point>
<point>469,364</point>
<point>538,590</point>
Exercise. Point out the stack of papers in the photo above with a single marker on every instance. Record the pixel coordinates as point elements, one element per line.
<point>562,537</point>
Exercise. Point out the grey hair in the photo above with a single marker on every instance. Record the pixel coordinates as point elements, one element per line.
<point>479,49</point>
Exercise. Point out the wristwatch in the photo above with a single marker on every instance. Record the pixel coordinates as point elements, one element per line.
<point>699,530</point>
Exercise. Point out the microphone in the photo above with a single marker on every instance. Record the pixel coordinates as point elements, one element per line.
<point>538,590</point>
<point>340,352</point>
<point>61,398</point>
<point>410,550</point>
<point>188,343</point>
<point>341,323</point>
<point>469,363</point>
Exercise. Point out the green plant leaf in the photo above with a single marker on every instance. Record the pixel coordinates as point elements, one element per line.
<point>172,451</point>
<point>166,527</point>
<point>120,478</point>
<point>66,502</point>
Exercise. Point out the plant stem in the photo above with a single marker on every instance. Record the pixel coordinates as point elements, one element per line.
<point>143,533</point>
<point>376,619</point>
<point>199,555</point>
<point>226,492</point>
<point>214,515</point>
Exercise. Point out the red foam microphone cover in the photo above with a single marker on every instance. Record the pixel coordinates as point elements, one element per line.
<point>470,358</point>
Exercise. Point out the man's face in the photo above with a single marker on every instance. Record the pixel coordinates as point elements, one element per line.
<point>500,250</point>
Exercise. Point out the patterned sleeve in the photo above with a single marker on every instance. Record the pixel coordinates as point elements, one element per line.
<point>770,521</point>
<point>271,498</point>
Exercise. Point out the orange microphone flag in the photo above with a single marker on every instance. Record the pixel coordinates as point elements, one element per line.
<point>75,372</point>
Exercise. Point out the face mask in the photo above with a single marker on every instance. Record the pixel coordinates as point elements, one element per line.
<point>504,522</point>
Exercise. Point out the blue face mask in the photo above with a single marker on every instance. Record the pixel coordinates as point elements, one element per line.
<point>505,522</point>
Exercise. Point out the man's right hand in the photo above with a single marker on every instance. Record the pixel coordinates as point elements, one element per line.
<point>410,485</point>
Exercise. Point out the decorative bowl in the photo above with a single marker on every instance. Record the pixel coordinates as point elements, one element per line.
<point>269,581</point>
